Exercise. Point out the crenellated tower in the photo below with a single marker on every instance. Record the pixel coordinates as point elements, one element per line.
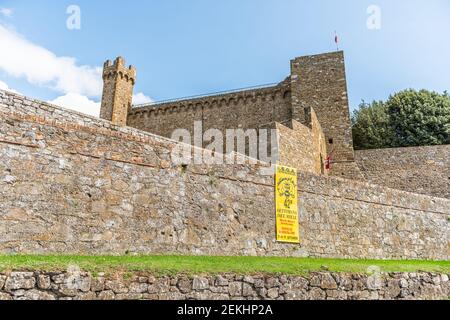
<point>117,91</point>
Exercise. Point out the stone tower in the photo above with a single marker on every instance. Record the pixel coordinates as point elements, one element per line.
<point>117,91</point>
<point>319,81</point>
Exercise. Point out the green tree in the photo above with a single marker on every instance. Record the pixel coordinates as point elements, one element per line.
<point>371,128</point>
<point>408,118</point>
<point>419,118</point>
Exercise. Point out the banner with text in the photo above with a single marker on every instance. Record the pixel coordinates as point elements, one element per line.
<point>287,205</point>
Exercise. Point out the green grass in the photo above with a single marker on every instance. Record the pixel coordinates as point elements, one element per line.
<point>212,265</point>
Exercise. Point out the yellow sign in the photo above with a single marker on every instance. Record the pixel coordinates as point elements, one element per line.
<point>287,205</point>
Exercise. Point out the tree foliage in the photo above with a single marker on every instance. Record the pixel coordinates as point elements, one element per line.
<point>408,118</point>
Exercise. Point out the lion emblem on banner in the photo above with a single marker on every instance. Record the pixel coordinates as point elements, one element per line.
<point>286,190</point>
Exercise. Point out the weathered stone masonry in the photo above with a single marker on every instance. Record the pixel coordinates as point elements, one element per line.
<point>418,169</point>
<point>70,183</point>
<point>316,286</point>
<point>117,91</point>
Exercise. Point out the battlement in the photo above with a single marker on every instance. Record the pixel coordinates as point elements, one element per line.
<point>117,95</point>
<point>245,96</point>
<point>119,68</point>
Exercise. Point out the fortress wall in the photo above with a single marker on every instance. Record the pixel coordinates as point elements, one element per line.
<point>81,187</point>
<point>250,109</point>
<point>164,121</point>
<point>296,148</point>
<point>302,147</point>
<point>319,142</point>
<point>418,169</point>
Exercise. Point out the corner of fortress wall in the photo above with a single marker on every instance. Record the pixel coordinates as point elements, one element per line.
<point>75,184</point>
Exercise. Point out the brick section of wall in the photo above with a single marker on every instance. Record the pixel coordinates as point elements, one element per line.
<point>73,184</point>
<point>419,169</point>
<point>145,286</point>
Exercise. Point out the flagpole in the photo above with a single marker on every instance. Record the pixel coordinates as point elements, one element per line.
<point>336,39</point>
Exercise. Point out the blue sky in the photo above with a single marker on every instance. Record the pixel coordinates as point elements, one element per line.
<point>190,47</point>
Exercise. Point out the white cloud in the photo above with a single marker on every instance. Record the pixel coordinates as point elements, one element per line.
<point>4,86</point>
<point>140,98</point>
<point>6,12</point>
<point>78,102</point>
<point>79,84</point>
<point>22,58</point>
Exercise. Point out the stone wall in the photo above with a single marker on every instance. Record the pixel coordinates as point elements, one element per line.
<point>74,184</point>
<point>419,169</point>
<point>302,147</point>
<point>250,109</point>
<point>144,286</point>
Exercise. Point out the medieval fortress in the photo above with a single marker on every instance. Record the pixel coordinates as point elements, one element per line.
<point>75,184</point>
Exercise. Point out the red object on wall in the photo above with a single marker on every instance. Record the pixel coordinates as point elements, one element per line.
<point>328,163</point>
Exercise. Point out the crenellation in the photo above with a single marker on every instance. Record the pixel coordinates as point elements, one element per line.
<point>117,91</point>
<point>229,99</point>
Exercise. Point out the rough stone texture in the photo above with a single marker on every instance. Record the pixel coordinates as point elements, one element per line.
<point>249,109</point>
<point>316,286</point>
<point>75,184</point>
<point>419,169</point>
<point>117,91</point>
<point>301,147</point>
<point>19,280</point>
<point>319,82</point>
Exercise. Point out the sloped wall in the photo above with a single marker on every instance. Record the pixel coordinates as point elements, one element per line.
<point>70,183</point>
<point>423,170</point>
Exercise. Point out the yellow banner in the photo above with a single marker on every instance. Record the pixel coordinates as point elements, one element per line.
<point>287,205</point>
